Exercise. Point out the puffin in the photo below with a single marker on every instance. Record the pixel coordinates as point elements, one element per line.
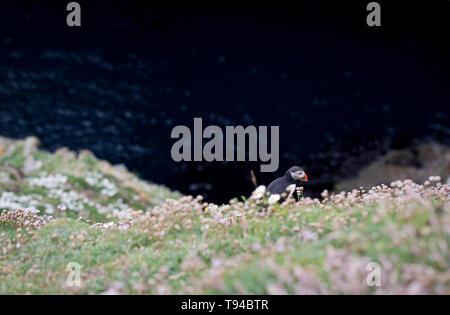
<point>287,183</point>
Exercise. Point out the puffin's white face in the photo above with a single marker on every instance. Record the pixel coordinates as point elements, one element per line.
<point>299,175</point>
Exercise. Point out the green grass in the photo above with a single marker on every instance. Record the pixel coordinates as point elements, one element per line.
<point>181,246</point>
<point>131,191</point>
<point>16,159</point>
<point>110,256</point>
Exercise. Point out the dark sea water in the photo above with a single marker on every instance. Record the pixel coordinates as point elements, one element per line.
<point>341,93</point>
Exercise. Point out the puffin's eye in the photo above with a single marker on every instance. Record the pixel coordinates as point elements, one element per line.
<point>301,175</point>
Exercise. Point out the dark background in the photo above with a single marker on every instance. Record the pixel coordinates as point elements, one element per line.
<point>342,93</point>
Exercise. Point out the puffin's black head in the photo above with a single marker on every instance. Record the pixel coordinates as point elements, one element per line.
<point>297,174</point>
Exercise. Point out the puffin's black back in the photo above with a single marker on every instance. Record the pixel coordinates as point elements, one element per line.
<point>279,185</point>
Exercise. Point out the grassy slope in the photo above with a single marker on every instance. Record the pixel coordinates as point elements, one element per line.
<point>181,247</point>
<point>81,180</point>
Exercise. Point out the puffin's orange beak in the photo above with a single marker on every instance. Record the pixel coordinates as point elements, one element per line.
<point>306,178</point>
